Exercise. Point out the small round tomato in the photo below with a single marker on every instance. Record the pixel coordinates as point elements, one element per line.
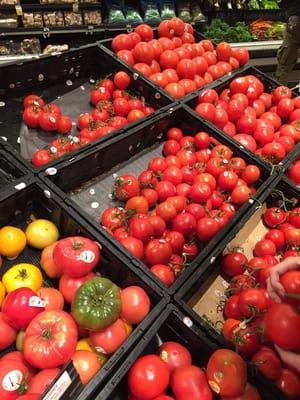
<point>135,304</point>
<point>234,263</point>
<point>252,302</point>
<point>134,246</point>
<point>68,285</point>
<point>86,364</point>
<point>109,339</point>
<point>267,363</point>
<point>175,355</point>
<point>207,228</point>
<point>289,384</point>
<point>231,309</point>
<point>164,273</point>
<point>265,247</point>
<point>121,80</point>
<point>138,204</point>
<point>158,252</point>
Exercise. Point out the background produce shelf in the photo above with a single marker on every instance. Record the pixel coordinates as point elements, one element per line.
<point>173,325</point>
<point>85,182</point>
<point>65,79</point>
<point>37,201</point>
<point>219,85</point>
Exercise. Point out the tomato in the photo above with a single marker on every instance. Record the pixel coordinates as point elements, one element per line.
<point>165,189</point>
<point>134,115</point>
<point>145,32</point>
<point>281,92</point>
<point>39,383</point>
<point>247,124</point>
<point>53,299</point>
<point>184,223</point>
<point>285,107</point>
<point>207,228</point>
<point>41,157</point>
<point>251,174</point>
<point>246,341</point>
<point>41,233</point>
<point>33,100</point>
<point>290,281</point>
<point>108,340</point>
<point>200,192</point>
<point>227,180</point>
<point>242,55</point>
<point>174,355</point>
<point>121,80</point>
<point>234,263</point>
<point>267,363</point>
<point>47,263</point>
<point>135,304</point>
<point>158,225</point>
<point>122,42</point>
<point>8,334</point>
<point>282,323</point>
<point>175,90</point>
<point>14,376</point>
<point>188,85</point>
<point>292,237</point>
<point>164,273</point>
<point>241,282</point>
<point>176,240</point>
<point>125,187</point>
<point>247,141</point>
<point>175,134</point>
<point>265,247</point>
<point>68,285</point>
<point>224,51</point>
<point>295,116</point>
<point>294,217</point>
<point>143,68</point>
<point>157,252</point>
<point>289,384</point>
<point>227,373</point>
<point>277,237</point>
<point>50,339</point>
<point>252,302</point>
<point>143,52</point>
<point>76,256</point>
<point>134,246</point>
<point>148,377</point>
<point>207,111</point>
<point>30,396</point>
<point>31,116</point>
<point>113,217</point>
<point>48,121</point>
<point>274,216</point>
<point>231,309</point>
<point>189,382</point>
<point>86,364</point>
<point>20,307</point>
<point>250,392</point>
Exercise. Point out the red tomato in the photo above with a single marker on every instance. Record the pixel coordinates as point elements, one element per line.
<point>184,223</point>
<point>224,51</point>
<point>145,31</point>
<point>165,189</point>
<point>277,237</point>
<point>282,326</point>
<point>148,377</point>
<point>242,55</point>
<point>252,302</point>
<point>86,364</point>
<point>281,92</point>
<point>134,246</point>
<point>174,355</point>
<point>41,157</point>
<point>176,240</point>
<point>108,340</point>
<point>189,382</point>
<point>158,225</point>
<point>33,100</point>
<point>227,373</point>
<point>294,217</point>
<point>231,309</point>
<point>125,187</point>
<point>135,115</point>
<point>246,341</point>
<point>48,121</point>
<point>290,281</point>
<point>122,80</point>
<point>39,383</point>
<point>158,252</point>
<point>250,393</point>
<point>207,111</point>
<point>289,384</point>
<point>274,216</point>
<point>14,376</point>
<point>207,228</point>
<point>135,304</point>
<point>31,116</point>
<point>53,299</point>
<point>267,363</point>
<point>122,42</point>
<point>143,52</point>
<point>175,90</point>
<point>20,307</point>
<point>164,273</point>
<point>7,333</point>
<point>234,263</point>
<point>247,141</point>
<point>76,256</point>
<point>241,282</point>
<point>50,339</point>
<point>265,247</point>
<point>113,218</point>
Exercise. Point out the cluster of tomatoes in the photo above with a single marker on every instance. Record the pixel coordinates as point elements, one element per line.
<point>172,370</point>
<point>180,200</point>
<point>293,172</point>
<point>33,320</point>
<point>114,108</point>
<point>266,124</point>
<point>175,61</point>
<point>253,321</point>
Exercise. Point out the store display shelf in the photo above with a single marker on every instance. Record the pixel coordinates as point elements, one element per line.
<point>51,7</point>
<point>87,29</point>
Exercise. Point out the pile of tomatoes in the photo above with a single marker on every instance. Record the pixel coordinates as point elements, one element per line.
<point>293,172</point>
<point>34,323</point>
<point>266,124</point>
<point>175,61</point>
<point>172,371</point>
<point>181,200</point>
<point>114,107</point>
<point>253,321</point>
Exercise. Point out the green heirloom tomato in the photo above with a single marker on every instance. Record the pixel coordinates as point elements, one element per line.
<point>97,304</point>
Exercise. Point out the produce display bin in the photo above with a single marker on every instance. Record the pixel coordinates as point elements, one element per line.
<point>173,325</point>
<point>65,79</point>
<point>85,182</point>
<point>13,175</point>
<point>37,201</point>
<point>203,294</point>
<point>286,179</point>
<point>269,84</point>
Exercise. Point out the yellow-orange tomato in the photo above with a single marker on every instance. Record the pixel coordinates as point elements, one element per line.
<point>85,344</point>
<point>12,241</point>
<point>2,293</point>
<point>22,275</point>
<point>86,364</point>
<point>47,263</point>
<point>128,327</point>
<point>41,233</point>
<point>52,297</point>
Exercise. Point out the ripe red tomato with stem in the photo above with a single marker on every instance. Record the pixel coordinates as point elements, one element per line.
<point>231,309</point>
<point>252,302</point>
<point>234,263</point>
<point>274,217</point>
<point>164,273</point>
<point>41,157</point>
<point>68,285</point>
<point>134,246</point>
<point>157,252</point>
<point>265,247</point>
<point>290,281</point>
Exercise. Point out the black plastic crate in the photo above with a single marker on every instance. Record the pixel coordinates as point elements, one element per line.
<point>106,45</point>
<point>13,175</point>
<point>296,187</point>
<point>202,294</point>
<point>85,182</point>
<point>269,84</point>
<point>65,79</point>
<point>173,325</point>
<point>37,200</point>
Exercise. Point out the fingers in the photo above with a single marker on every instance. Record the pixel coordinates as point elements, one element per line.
<point>288,264</point>
<point>272,293</point>
<point>289,358</point>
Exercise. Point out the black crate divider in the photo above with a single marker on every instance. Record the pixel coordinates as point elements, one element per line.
<point>53,76</point>
<point>16,209</point>
<point>13,175</point>
<point>67,176</point>
<point>269,83</point>
<point>178,326</point>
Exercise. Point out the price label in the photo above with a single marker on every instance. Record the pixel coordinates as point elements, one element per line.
<point>36,301</point>
<point>19,10</point>
<point>12,381</point>
<point>87,256</point>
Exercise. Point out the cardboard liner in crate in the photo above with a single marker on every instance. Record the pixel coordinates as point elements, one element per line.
<point>65,79</point>
<point>37,201</point>
<point>86,182</point>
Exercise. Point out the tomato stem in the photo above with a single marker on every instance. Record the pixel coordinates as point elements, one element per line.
<point>292,296</point>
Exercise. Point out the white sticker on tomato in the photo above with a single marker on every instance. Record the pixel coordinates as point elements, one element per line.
<point>12,380</point>
<point>36,301</point>
<point>87,256</point>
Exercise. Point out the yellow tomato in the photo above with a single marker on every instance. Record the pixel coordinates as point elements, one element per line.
<point>128,327</point>
<point>2,293</point>
<point>22,275</point>
<point>41,233</point>
<point>85,344</point>
<point>12,241</point>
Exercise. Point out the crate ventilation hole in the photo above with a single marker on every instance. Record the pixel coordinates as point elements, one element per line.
<point>135,76</point>
<point>212,260</point>
<point>157,95</point>
<point>130,147</point>
<point>188,322</point>
<point>92,191</point>
<point>19,140</point>
<point>51,171</point>
<point>95,204</point>
<point>160,135</point>
<point>20,186</point>
<point>69,82</point>
<point>4,138</point>
<point>40,77</point>
<point>47,194</point>
<point>2,103</point>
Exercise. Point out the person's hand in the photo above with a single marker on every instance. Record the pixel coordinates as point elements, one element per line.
<point>289,358</point>
<point>274,286</point>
